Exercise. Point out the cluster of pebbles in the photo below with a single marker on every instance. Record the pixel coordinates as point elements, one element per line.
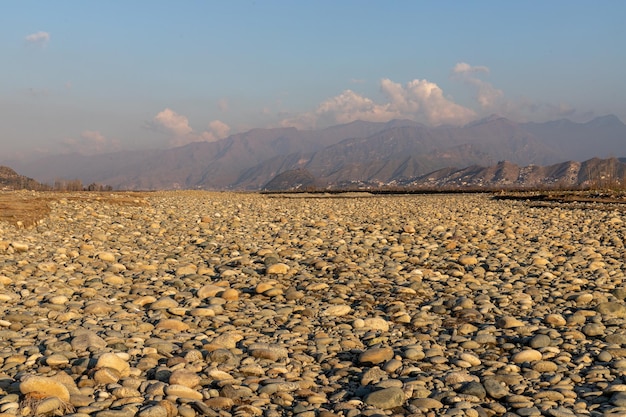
<point>220,304</point>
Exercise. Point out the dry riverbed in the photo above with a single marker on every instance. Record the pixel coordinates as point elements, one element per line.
<point>219,304</point>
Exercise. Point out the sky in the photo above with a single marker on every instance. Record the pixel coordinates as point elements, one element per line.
<point>103,76</point>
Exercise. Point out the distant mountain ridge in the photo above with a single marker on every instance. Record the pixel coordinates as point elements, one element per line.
<point>593,173</point>
<point>367,152</point>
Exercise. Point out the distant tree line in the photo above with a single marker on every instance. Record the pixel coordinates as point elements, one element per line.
<point>77,185</point>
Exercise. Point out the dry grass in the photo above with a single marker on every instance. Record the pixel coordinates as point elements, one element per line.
<point>26,208</point>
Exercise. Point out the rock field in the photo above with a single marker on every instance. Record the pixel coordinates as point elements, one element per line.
<point>224,304</point>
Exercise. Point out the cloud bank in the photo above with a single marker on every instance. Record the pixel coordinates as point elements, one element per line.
<point>419,100</point>
<point>424,101</point>
<point>493,100</point>
<point>38,38</point>
<point>177,126</point>
<point>486,95</point>
<point>90,142</point>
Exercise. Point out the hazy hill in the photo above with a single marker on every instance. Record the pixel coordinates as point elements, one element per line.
<point>408,151</point>
<point>11,180</point>
<point>595,172</point>
<point>360,151</point>
<point>211,165</point>
<point>601,137</point>
<point>297,179</point>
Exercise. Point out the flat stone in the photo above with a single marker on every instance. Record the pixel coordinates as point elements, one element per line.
<point>612,308</point>
<point>555,320</point>
<point>278,269</point>
<point>272,353</point>
<point>221,403</point>
<point>98,308</point>
<point>182,391</point>
<point>509,322</point>
<point>107,256</point>
<point>209,290</point>
<point>56,360</point>
<point>593,329</point>
<point>466,260</point>
<point>376,323</point>
<point>427,403</point>
<point>376,355</point>
<point>184,377</point>
<point>172,324</point>
<point>540,341</point>
<point>49,405</point>
<point>113,361</point>
<point>42,387</point>
<point>337,310</point>
<point>495,389</point>
<point>164,303</point>
<point>474,388</point>
<point>154,411</point>
<point>19,246</point>
<point>527,355</point>
<point>106,375</point>
<point>545,366</point>
<point>386,399</point>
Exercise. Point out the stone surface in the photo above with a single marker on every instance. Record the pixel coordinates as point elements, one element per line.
<point>114,361</point>
<point>386,398</point>
<point>527,355</point>
<point>40,387</point>
<point>197,303</point>
<point>376,355</point>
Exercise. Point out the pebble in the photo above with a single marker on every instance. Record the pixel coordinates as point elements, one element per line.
<point>540,341</point>
<point>41,387</point>
<point>182,391</point>
<point>184,377</point>
<point>495,389</point>
<point>527,355</point>
<point>84,340</point>
<point>154,411</point>
<point>337,310</point>
<point>386,398</point>
<point>114,361</point>
<point>197,303</point>
<point>277,268</point>
<point>427,403</point>
<point>376,355</point>
<point>376,323</point>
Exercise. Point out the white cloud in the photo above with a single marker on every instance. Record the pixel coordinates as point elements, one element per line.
<point>181,133</point>
<point>90,142</point>
<point>173,122</point>
<point>487,96</point>
<point>463,68</point>
<point>219,128</point>
<point>38,38</point>
<point>419,100</point>
<point>493,100</point>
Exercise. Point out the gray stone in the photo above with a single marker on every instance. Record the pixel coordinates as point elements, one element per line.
<point>495,389</point>
<point>540,341</point>
<point>474,388</point>
<point>386,399</point>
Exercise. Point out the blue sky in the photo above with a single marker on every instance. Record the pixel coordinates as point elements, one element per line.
<point>101,76</point>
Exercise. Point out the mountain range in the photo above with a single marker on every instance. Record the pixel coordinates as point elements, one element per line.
<point>399,151</point>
